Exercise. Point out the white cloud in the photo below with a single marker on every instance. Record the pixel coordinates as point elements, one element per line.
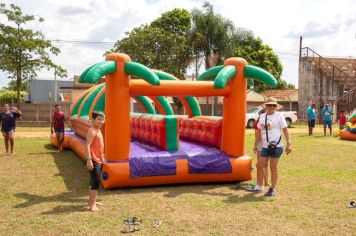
<point>329,27</point>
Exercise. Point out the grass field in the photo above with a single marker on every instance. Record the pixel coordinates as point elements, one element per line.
<point>45,193</point>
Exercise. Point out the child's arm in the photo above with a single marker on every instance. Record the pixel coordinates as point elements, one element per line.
<point>89,139</point>
<point>257,139</point>
<point>52,124</point>
<point>18,112</point>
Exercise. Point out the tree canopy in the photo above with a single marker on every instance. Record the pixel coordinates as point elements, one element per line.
<point>24,51</point>
<point>161,45</point>
<point>258,54</point>
<point>177,38</point>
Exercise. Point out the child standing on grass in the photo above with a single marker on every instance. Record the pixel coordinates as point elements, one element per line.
<point>95,157</point>
<point>57,125</point>
<point>258,151</point>
<point>342,120</point>
<point>8,125</point>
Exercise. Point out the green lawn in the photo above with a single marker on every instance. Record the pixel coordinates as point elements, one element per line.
<point>45,193</point>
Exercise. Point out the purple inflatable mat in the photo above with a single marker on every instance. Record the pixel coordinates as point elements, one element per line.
<point>148,160</point>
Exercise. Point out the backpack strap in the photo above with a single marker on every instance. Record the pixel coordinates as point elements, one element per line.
<point>266,128</point>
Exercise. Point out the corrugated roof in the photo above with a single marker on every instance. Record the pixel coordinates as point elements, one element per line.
<point>252,96</point>
<point>282,94</point>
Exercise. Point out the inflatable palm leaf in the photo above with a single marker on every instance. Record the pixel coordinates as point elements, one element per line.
<point>223,74</point>
<point>95,72</point>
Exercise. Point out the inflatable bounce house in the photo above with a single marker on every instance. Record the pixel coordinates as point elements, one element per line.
<point>153,149</point>
<point>349,133</point>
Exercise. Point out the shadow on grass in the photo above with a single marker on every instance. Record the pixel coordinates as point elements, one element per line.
<point>76,179</point>
<point>247,197</point>
<point>208,189</point>
<point>66,197</point>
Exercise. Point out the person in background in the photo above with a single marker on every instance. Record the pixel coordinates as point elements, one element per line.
<point>57,125</point>
<point>311,118</point>
<point>327,113</point>
<point>342,120</point>
<point>8,125</point>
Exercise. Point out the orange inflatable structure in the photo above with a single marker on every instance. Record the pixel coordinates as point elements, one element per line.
<point>153,149</point>
<point>349,133</point>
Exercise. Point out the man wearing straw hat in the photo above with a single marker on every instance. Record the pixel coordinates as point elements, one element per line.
<point>270,127</point>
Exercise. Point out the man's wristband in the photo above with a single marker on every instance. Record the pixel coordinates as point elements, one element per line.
<point>88,159</point>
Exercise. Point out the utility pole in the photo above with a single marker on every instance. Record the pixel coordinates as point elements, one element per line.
<point>55,85</point>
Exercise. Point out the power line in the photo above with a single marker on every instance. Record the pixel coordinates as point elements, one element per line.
<point>79,41</point>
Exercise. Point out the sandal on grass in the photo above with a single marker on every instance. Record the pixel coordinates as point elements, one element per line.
<point>132,221</point>
<point>156,223</point>
<point>129,230</point>
<point>352,205</point>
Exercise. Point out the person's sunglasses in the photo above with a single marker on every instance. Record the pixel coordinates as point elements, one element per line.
<point>271,105</point>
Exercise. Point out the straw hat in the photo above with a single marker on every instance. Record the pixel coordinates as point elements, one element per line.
<point>272,100</point>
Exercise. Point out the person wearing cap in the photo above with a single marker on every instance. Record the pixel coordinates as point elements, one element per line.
<point>270,127</point>
<point>311,118</point>
<point>327,113</point>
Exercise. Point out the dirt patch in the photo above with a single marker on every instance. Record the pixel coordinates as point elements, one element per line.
<point>30,135</point>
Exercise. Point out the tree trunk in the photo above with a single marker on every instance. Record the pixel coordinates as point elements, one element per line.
<point>18,87</point>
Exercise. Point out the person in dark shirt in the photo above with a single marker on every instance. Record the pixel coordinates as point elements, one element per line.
<point>8,125</point>
<point>57,126</point>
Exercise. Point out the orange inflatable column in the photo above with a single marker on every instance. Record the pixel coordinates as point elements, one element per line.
<point>117,110</point>
<point>233,127</point>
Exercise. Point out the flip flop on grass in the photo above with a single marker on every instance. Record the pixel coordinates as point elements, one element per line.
<point>132,221</point>
<point>352,205</point>
<point>129,229</point>
<point>156,223</point>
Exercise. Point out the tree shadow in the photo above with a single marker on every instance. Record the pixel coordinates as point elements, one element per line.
<point>209,189</point>
<point>33,199</point>
<point>75,177</point>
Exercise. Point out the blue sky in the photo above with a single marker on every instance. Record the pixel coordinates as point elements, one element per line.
<point>328,27</point>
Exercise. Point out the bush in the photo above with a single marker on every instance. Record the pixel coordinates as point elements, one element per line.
<point>9,96</point>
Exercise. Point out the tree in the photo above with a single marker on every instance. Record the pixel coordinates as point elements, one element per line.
<point>258,54</point>
<point>9,96</point>
<point>162,45</point>
<point>24,51</point>
<point>12,85</point>
<point>212,36</point>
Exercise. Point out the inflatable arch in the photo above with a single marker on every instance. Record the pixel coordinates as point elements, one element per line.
<point>153,149</point>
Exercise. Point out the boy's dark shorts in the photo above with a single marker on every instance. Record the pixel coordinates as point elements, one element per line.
<point>95,176</point>
<point>7,131</point>
<point>59,130</point>
<point>327,123</point>
<point>311,123</point>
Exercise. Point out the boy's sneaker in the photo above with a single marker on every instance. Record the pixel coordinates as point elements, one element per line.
<point>271,192</point>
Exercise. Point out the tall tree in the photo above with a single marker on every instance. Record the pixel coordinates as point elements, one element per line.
<point>258,54</point>
<point>211,35</point>
<point>162,45</point>
<point>24,51</point>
